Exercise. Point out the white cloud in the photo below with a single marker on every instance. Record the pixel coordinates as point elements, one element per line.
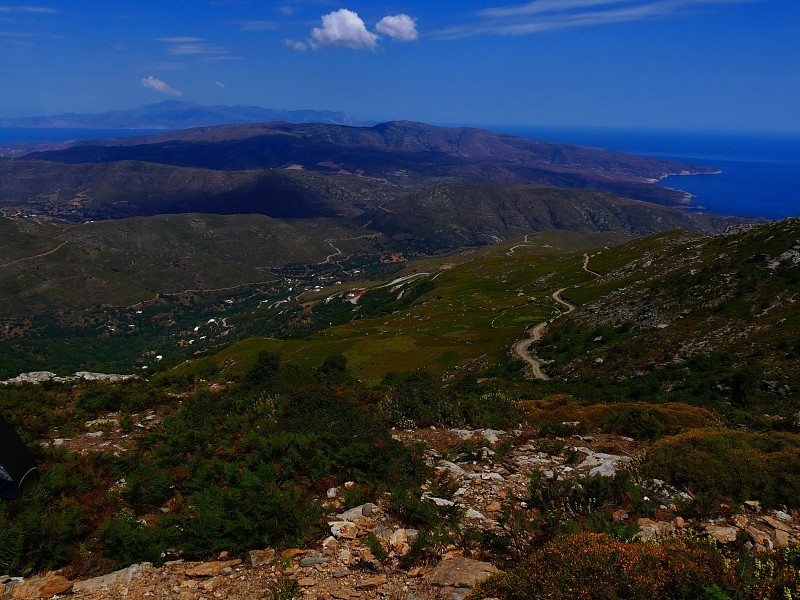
<point>548,15</point>
<point>343,28</point>
<point>219,84</point>
<point>152,83</point>
<point>400,27</point>
<point>296,45</point>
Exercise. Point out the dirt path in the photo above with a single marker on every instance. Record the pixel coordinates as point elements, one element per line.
<point>49,252</point>
<point>586,266</point>
<point>521,349</point>
<point>524,244</point>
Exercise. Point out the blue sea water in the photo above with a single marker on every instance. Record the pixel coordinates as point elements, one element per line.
<point>760,171</point>
<point>24,135</point>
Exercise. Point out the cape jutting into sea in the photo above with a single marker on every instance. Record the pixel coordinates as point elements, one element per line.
<point>760,171</point>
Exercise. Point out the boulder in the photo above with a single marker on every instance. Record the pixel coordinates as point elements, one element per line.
<point>256,558</point>
<point>211,569</point>
<point>117,577</point>
<point>344,530</point>
<point>454,577</point>
<point>41,587</point>
<point>354,515</point>
<point>723,534</point>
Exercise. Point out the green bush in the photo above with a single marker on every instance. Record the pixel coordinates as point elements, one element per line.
<point>732,464</point>
<point>592,566</point>
<point>125,540</point>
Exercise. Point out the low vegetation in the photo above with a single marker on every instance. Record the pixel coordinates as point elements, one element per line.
<point>596,566</point>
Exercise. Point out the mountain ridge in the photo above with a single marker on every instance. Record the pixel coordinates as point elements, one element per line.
<point>176,114</point>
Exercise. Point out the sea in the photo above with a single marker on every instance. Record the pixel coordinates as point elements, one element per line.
<point>760,171</point>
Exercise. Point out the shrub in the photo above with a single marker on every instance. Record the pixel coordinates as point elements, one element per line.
<point>595,566</point>
<point>414,398</point>
<point>733,464</point>
<point>636,419</point>
<point>124,540</point>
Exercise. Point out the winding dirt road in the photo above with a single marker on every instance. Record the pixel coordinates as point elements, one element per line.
<point>586,268</point>
<point>521,349</point>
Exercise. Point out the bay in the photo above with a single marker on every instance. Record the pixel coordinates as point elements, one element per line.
<point>760,171</point>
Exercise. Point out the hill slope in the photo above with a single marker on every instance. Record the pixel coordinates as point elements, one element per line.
<point>405,153</point>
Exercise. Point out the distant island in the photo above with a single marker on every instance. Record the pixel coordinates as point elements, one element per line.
<point>176,114</point>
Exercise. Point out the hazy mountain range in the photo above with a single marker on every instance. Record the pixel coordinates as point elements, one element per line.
<point>176,114</point>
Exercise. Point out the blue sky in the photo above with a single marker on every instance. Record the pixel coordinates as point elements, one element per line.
<point>677,64</point>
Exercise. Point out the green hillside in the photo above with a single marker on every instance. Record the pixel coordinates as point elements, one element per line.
<point>46,267</point>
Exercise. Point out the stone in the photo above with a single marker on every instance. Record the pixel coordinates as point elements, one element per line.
<point>647,533</point>
<point>721,533</point>
<point>760,538</point>
<point>292,552</point>
<point>679,523</point>
<point>306,582</point>
<point>783,516</point>
<point>211,569</point>
<point>604,465</point>
<point>620,515</point>
<point>455,471</point>
<point>782,539</point>
<point>401,540</point>
<point>210,585</point>
<point>117,577</point>
<point>776,524</point>
<point>344,530</point>
<point>372,583</point>
<point>474,515</point>
<point>41,587</point>
<point>256,558</point>
<point>437,501</point>
<point>354,515</point>
<point>460,573</point>
<point>310,561</point>
<point>494,507</point>
<point>753,505</point>
<point>740,521</point>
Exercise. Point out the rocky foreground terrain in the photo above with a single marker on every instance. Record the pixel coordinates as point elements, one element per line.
<point>364,555</point>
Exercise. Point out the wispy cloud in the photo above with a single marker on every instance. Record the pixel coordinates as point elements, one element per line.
<point>190,46</point>
<point>547,15</point>
<point>181,40</point>
<point>168,66</point>
<point>160,86</point>
<point>345,28</point>
<point>202,49</point>
<point>40,10</point>
<point>262,25</point>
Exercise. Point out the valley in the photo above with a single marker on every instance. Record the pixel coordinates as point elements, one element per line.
<point>435,356</point>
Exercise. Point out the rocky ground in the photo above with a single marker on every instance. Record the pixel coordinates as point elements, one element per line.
<point>487,472</point>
